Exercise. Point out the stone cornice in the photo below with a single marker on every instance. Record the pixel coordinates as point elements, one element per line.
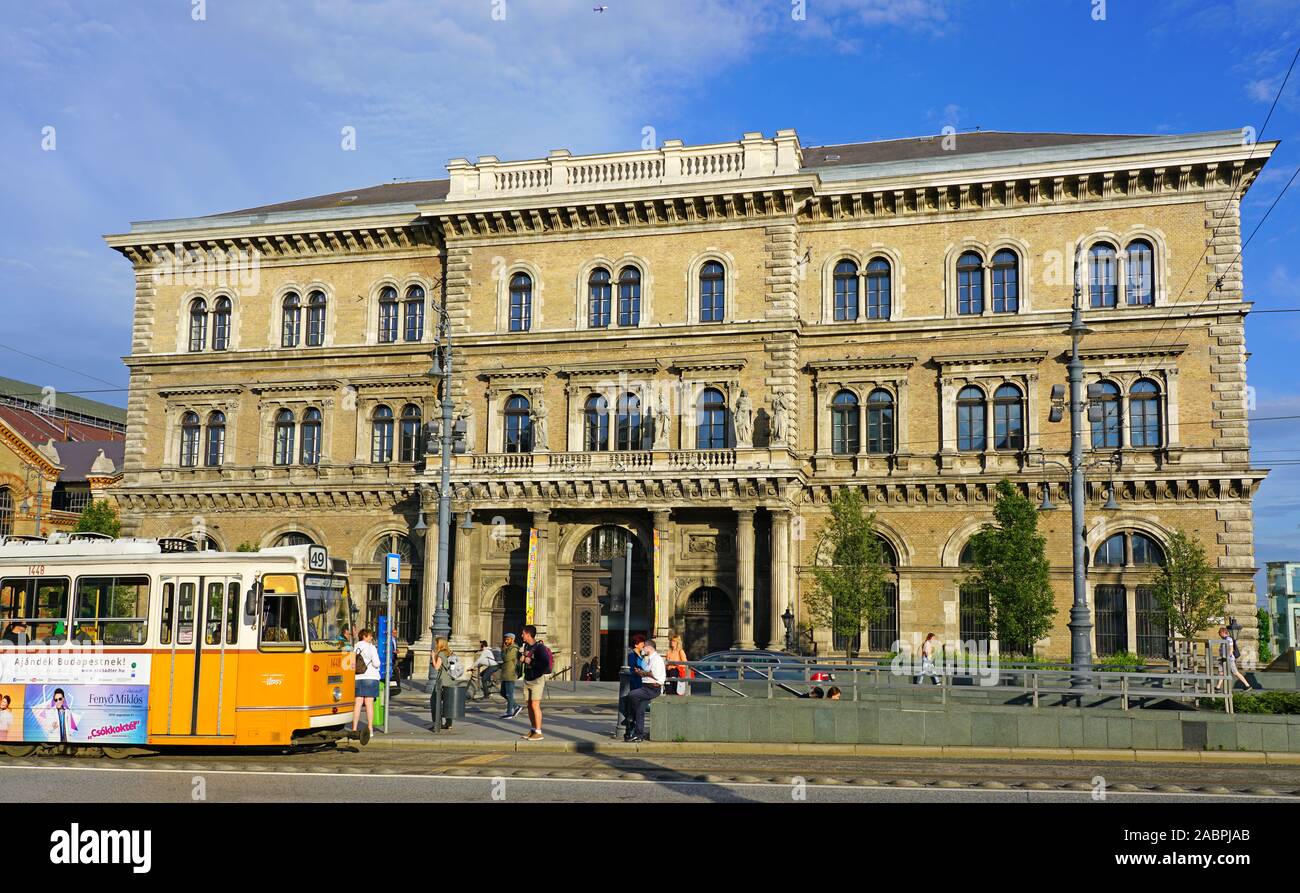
<point>709,364</point>
<point>1137,351</point>
<point>832,367</point>
<point>990,358</point>
<point>212,391</point>
<point>28,453</point>
<point>614,368</point>
<point>508,375</point>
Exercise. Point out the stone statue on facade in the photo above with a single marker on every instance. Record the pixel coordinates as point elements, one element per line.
<point>743,419</point>
<point>539,425</point>
<point>780,419</point>
<point>661,424</point>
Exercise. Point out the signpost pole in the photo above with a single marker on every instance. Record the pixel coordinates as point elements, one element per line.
<point>392,573</point>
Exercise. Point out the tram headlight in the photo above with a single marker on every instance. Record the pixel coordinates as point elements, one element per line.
<point>338,693</point>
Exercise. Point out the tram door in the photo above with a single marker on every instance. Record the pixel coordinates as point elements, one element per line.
<point>195,673</point>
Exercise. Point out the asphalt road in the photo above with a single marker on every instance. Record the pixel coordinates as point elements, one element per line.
<point>450,776</point>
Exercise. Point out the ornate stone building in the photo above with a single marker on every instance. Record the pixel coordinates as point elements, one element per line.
<point>691,349</point>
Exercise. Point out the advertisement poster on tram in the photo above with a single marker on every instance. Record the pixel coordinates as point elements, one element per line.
<point>86,714</point>
<point>73,697</point>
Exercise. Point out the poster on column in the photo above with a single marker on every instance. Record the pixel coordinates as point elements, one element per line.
<point>530,593</point>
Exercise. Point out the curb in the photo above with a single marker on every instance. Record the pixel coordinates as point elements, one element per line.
<point>894,751</point>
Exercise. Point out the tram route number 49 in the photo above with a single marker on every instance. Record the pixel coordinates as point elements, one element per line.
<point>318,559</point>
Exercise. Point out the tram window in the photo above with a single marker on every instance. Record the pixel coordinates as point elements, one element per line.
<point>37,604</point>
<point>232,614</point>
<point>212,626</point>
<point>185,620</point>
<point>281,620</point>
<point>169,604</point>
<point>111,610</point>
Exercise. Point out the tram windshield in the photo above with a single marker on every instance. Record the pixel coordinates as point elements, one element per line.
<point>328,612</point>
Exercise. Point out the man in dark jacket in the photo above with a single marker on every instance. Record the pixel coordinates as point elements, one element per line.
<point>538,664</point>
<point>509,675</point>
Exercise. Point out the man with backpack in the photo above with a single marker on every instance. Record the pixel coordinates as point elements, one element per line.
<point>1228,654</point>
<point>538,664</point>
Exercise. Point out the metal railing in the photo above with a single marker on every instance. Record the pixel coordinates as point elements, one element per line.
<point>855,677</point>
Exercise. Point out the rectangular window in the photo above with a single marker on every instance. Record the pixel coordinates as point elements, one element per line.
<point>970,428</point>
<point>882,629</point>
<point>185,610</point>
<point>215,614</point>
<point>1111,619</point>
<point>1008,427</point>
<point>328,608</point>
<point>168,608</point>
<point>232,614</point>
<point>281,620</point>
<point>974,613</point>
<point>112,610</point>
<point>1152,625</point>
<point>37,604</point>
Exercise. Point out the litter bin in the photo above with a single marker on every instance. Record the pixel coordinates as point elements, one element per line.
<point>450,706</point>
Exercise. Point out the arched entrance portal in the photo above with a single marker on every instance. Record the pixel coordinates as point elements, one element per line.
<point>602,610</point>
<point>508,612</point>
<point>709,622</point>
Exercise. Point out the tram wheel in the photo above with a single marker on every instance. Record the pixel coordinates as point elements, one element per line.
<point>19,750</point>
<point>118,753</point>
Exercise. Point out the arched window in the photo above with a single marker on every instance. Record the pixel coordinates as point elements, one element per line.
<point>189,440</point>
<point>713,292</point>
<point>6,512</point>
<point>1139,284</point>
<point>880,422</point>
<point>284,437</point>
<point>381,435</point>
<point>198,324</point>
<point>1105,430</point>
<point>413,322</point>
<point>970,284</point>
<point>629,297</point>
<point>595,423</point>
<point>316,319</point>
<point>628,423</point>
<point>1144,413</point>
<point>1124,564</point>
<point>970,419</point>
<point>1111,552</point>
<point>521,302</point>
<point>311,439</point>
<point>293,538</point>
<point>844,424</point>
<point>879,289</point>
<point>1008,418</point>
<point>291,324</point>
<point>221,324</point>
<point>214,451</point>
<point>1006,282</point>
<point>1147,552</point>
<point>973,607</point>
<point>409,449</point>
<point>846,290</point>
<point>388,316</point>
<point>599,298</point>
<point>519,425</point>
<point>711,421</point>
<point>1103,284</point>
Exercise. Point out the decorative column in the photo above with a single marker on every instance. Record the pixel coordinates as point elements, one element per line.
<point>541,610</point>
<point>664,578</point>
<point>745,578</point>
<point>780,577</point>
<point>423,646</point>
<point>462,543</point>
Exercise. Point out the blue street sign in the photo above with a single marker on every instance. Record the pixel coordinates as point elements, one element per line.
<point>392,568</point>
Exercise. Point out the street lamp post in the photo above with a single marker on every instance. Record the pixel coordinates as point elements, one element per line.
<point>441,368</point>
<point>788,619</point>
<point>1080,617</point>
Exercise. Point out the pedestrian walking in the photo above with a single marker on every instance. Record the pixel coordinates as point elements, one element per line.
<point>634,665</point>
<point>509,675</point>
<point>366,656</point>
<point>927,660</point>
<point>1228,654</point>
<point>653,675</point>
<point>440,668</point>
<point>677,655</point>
<point>538,663</point>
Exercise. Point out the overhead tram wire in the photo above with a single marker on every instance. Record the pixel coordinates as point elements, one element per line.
<point>1215,232</point>
<point>60,366</point>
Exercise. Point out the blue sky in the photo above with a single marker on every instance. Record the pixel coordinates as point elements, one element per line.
<point>173,108</point>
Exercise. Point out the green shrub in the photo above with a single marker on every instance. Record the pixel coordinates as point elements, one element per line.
<point>1120,662</point>
<point>1270,702</point>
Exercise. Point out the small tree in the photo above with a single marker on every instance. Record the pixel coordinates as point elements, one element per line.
<point>246,546</point>
<point>99,517</point>
<point>850,591</point>
<point>1187,589</point>
<point>1010,563</point>
<point>1265,636</point>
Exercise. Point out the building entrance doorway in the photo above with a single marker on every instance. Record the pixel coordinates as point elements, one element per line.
<point>508,613</point>
<point>601,614</point>
<point>709,623</point>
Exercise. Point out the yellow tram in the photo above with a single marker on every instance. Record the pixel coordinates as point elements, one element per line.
<point>130,643</point>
